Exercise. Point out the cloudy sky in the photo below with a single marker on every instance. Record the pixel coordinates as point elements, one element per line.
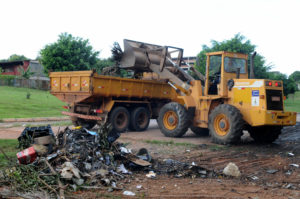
<point>272,25</point>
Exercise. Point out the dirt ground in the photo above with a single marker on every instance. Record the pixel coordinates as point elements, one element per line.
<point>266,170</point>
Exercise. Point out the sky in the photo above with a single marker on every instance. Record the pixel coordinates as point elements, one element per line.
<point>272,25</point>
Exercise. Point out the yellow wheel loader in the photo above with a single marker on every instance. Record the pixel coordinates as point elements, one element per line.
<point>223,103</point>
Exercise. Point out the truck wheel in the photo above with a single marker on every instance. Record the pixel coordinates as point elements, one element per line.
<point>173,120</point>
<point>140,119</point>
<point>119,119</point>
<point>265,134</point>
<point>88,124</point>
<point>225,124</point>
<point>199,131</point>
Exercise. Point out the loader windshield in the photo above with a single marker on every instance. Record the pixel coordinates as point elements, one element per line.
<point>232,64</point>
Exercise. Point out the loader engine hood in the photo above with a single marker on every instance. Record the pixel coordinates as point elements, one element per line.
<point>261,102</point>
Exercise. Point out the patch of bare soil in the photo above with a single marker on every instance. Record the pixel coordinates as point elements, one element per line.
<point>267,171</point>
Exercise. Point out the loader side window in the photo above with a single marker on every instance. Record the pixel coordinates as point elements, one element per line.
<point>232,64</point>
<point>214,73</point>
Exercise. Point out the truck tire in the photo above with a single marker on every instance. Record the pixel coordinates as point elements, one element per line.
<point>225,124</point>
<point>173,120</point>
<point>119,119</point>
<point>199,131</point>
<point>140,119</point>
<point>265,134</point>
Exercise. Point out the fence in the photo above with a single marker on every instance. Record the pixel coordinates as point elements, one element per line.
<point>26,83</point>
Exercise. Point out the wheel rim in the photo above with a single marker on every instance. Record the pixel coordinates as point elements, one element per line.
<point>221,125</point>
<point>170,120</point>
<point>121,120</point>
<point>142,119</point>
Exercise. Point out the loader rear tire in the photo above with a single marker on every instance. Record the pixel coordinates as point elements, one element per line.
<point>140,119</point>
<point>199,131</point>
<point>265,134</point>
<point>119,119</point>
<point>173,120</point>
<point>225,124</point>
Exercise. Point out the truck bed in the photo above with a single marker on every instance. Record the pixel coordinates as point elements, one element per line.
<point>76,86</point>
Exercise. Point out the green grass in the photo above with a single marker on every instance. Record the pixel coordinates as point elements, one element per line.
<point>292,103</point>
<point>13,103</point>
<point>9,146</point>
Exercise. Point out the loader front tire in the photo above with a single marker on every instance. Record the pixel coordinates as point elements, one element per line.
<point>173,120</point>
<point>119,119</point>
<point>265,134</point>
<point>225,124</point>
<point>199,131</point>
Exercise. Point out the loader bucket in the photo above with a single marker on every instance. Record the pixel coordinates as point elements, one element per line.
<point>138,55</point>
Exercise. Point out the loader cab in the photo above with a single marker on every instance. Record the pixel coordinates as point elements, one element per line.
<point>222,67</point>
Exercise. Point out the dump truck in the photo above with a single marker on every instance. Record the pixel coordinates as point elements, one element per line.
<point>126,103</point>
<point>223,103</point>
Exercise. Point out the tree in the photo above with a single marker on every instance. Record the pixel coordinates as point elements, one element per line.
<point>103,63</point>
<point>68,53</point>
<point>237,44</point>
<point>295,76</point>
<point>16,57</point>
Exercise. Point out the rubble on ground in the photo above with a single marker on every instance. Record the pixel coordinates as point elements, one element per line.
<point>77,159</point>
<point>232,170</point>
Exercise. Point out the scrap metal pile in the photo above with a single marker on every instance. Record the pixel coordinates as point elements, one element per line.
<point>74,159</point>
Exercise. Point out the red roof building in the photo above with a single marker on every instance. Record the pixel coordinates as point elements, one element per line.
<point>14,67</point>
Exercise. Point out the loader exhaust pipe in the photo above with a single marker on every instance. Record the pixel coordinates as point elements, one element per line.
<point>252,65</point>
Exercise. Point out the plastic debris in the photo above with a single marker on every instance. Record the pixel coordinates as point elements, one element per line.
<point>91,132</point>
<point>27,156</point>
<point>232,170</point>
<point>139,186</point>
<point>125,150</point>
<point>128,193</point>
<point>151,174</point>
<point>123,170</point>
<point>288,172</point>
<point>291,154</point>
<point>272,171</point>
<point>295,165</point>
<point>69,170</point>
<point>254,177</point>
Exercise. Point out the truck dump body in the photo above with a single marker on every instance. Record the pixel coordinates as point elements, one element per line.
<point>74,87</point>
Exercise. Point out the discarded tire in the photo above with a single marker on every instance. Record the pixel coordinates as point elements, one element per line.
<point>265,134</point>
<point>225,124</point>
<point>199,131</point>
<point>139,119</point>
<point>119,119</point>
<point>173,120</point>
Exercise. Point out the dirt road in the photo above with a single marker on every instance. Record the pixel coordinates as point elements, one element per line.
<point>268,171</point>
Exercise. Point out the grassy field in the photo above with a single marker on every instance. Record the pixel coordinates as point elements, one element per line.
<point>293,102</point>
<point>9,146</point>
<point>13,103</point>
